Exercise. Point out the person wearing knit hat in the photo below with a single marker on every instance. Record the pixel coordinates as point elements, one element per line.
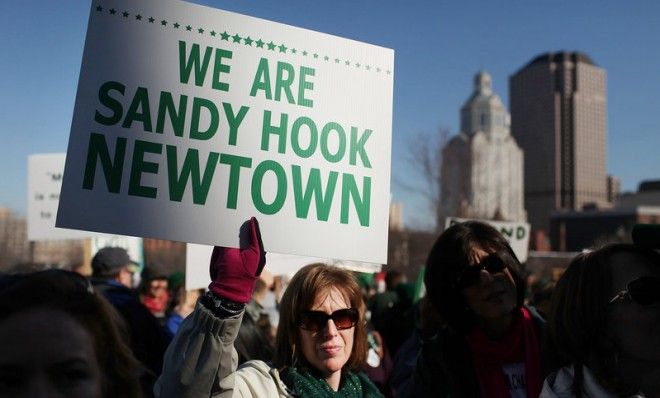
<point>114,263</point>
<point>112,276</point>
<point>155,291</point>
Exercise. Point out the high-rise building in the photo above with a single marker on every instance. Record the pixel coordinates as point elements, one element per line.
<point>482,166</point>
<point>559,119</point>
<point>613,188</point>
<point>396,216</point>
<point>14,247</point>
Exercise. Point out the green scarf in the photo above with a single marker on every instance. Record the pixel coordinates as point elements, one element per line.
<point>304,384</point>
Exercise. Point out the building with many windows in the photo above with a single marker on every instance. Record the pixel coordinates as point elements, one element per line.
<point>559,119</point>
<point>14,247</point>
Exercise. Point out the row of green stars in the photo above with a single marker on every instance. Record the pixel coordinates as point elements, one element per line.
<point>248,41</point>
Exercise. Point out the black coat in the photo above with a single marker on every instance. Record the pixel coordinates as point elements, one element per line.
<point>445,368</point>
<point>148,340</point>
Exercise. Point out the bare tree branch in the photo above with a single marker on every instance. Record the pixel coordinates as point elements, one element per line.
<point>424,157</point>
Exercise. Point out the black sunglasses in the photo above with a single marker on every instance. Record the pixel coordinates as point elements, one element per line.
<point>472,274</point>
<point>317,320</point>
<point>644,291</point>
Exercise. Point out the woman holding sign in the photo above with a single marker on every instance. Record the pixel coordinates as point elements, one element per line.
<point>320,344</point>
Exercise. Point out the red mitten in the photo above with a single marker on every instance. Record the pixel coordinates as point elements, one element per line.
<point>235,271</point>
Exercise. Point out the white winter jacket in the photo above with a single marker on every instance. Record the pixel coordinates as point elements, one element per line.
<point>559,383</point>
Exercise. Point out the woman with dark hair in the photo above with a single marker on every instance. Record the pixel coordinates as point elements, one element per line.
<point>604,325</point>
<point>320,344</point>
<point>488,344</point>
<point>60,338</point>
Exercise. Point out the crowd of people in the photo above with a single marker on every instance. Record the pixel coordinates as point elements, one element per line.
<point>479,331</point>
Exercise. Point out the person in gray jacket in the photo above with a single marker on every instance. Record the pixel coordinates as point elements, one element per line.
<point>320,343</point>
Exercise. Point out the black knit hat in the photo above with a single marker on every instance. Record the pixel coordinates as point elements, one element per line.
<point>110,260</point>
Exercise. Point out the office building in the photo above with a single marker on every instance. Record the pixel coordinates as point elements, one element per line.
<point>558,107</point>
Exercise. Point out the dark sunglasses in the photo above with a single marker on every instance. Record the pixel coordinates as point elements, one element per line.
<point>644,291</point>
<point>472,274</point>
<point>317,320</point>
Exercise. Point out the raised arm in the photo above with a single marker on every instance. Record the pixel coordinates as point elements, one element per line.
<point>201,361</point>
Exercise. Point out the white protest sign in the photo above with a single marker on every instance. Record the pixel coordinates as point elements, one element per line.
<point>516,233</point>
<point>197,266</point>
<point>189,120</point>
<point>198,256</point>
<point>44,183</point>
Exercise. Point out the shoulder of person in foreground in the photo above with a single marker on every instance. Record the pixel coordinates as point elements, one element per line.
<point>560,385</point>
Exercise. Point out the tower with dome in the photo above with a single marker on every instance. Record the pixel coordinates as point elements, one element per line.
<point>482,166</point>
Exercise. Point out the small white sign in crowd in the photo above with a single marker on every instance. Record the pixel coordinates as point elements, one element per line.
<point>44,184</point>
<point>197,261</point>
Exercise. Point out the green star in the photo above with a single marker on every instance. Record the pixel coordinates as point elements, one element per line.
<point>176,25</point>
<point>248,41</point>
<point>337,60</point>
<point>357,65</point>
<point>213,33</point>
<point>389,72</point>
<point>224,35</point>
<point>305,53</point>
<point>200,30</point>
<point>236,38</point>
<point>99,8</point>
<point>294,51</point>
<point>271,46</point>
<point>138,17</point>
<point>188,28</point>
<point>125,14</point>
<point>113,11</point>
<point>260,43</point>
<point>316,55</point>
<point>368,67</point>
<point>347,63</point>
<point>163,22</point>
<point>326,58</point>
<point>282,48</point>
<point>378,70</point>
<point>151,19</point>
